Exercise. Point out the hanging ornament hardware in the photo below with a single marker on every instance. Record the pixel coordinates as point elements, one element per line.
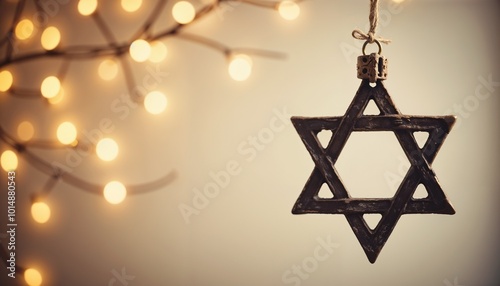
<point>373,66</point>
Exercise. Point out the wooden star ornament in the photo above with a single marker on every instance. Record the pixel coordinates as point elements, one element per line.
<point>389,119</point>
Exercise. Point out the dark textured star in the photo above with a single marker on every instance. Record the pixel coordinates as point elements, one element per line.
<point>391,209</point>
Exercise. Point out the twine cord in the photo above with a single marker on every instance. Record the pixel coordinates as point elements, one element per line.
<point>370,36</point>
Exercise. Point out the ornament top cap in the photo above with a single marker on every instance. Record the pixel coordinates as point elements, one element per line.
<point>372,67</point>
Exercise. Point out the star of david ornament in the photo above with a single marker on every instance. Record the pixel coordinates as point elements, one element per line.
<point>373,69</point>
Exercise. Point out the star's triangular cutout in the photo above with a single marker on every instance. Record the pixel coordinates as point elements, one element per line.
<point>420,192</point>
<point>371,108</point>
<point>372,220</point>
<point>324,192</point>
<point>324,137</point>
<point>421,137</point>
<point>391,209</point>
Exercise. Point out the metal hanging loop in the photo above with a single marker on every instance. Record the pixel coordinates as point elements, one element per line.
<point>376,42</point>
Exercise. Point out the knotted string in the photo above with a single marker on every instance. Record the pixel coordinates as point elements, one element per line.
<point>370,36</point>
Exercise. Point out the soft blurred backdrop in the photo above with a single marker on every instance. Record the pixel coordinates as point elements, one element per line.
<point>234,140</point>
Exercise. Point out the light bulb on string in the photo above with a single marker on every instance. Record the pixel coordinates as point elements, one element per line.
<point>6,80</point>
<point>8,161</point>
<point>131,5</point>
<point>158,52</point>
<point>240,67</point>
<point>33,277</point>
<point>114,192</point>
<point>108,69</point>
<point>107,149</point>
<point>288,10</point>
<point>50,87</point>
<point>40,212</point>
<point>155,102</point>
<point>50,38</point>
<point>24,29</point>
<point>25,131</point>
<point>66,133</point>
<point>87,7</point>
<point>183,12</point>
<point>140,50</point>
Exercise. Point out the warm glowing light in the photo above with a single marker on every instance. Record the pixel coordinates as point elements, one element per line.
<point>131,5</point>
<point>25,131</point>
<point>115,192</point>
<point>155,102</point>
<point>87,7</point>
<point>5,80</point>
<point>58,98</point>
<point>8,160</point>
<point>108,69</point>
<point>66,133</point>
<point>140,50</point>
<point>50,87</point>
<point>183,12</point>
<point>32,277</point>
<point>40,212</point>
<point>158,52</point>
<point>50,38</point>
<point>107,149</point>
<point>289,10</point>
<point>24,29</point>
<point>240,67</point>
<point>398,1</point>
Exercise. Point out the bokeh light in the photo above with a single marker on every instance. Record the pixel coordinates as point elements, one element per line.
<point>131,5</point>
<point>108,69</point>
<point>66,133</point>
<point>183,12</point>
<point>24,29</point>
<point>58,98</point>
<point>240,67</point>
<point>107,149</point>
<point>8,160</point>
<point>87,7</point>
<point>158,52</point>
<point>289,10</point>
<point>50,87</point>
<point>25,131</point>
<point>115,192</point>
<point>40,212</point>
<point>32,277</point>
<point>140,50</point>
<point>155,102</point>
<point>50,38</point>
<point>6,80</point>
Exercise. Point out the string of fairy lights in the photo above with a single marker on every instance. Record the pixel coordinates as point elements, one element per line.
<point>144,46</point>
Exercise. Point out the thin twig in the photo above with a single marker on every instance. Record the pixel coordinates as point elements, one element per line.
<point>84,185</point>
<point>106,32</point>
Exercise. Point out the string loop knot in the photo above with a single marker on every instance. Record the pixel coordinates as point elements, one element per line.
<point>370,36</point>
